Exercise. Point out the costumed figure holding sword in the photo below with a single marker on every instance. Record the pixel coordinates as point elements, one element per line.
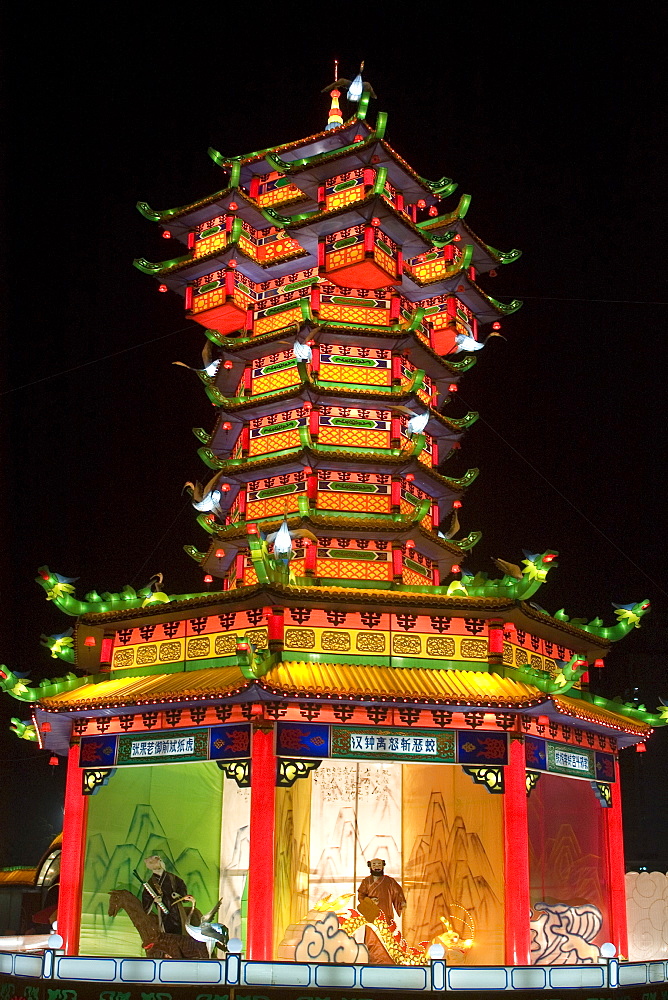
<point>167,892</point>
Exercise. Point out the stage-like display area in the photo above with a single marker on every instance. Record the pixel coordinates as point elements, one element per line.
<point>349,762</point>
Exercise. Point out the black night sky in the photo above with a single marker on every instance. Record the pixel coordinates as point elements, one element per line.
<point>554,127</point>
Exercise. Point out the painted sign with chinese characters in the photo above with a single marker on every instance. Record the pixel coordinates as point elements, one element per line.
<point>575,761</point>
<point>304,740</point>
<point>189,745</point>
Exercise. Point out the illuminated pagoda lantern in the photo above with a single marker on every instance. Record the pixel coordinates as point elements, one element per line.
<point>344,690</point>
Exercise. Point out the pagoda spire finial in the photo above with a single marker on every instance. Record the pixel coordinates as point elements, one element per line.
<point>335,117</point>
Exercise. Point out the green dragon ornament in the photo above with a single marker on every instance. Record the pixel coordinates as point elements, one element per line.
<point>60,590</point>
<point>628,617</point>
<point>517,583</point>
<point>16,686</point>
<point>24,730</point>
<point>563,681</point>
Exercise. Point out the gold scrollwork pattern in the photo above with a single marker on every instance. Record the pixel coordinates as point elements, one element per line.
<point>237,770</point>
<point>93,778</point>
<point>337,641</point>
<point>199,647</point>
<point>226,644</point>
<point>531,780</point>
<point>170,651</point>
<point>300,638</point>
<point>370,642</point>
<point>147,654</point>
<point>441,645</point>
<point>407,645</point>
<point>289,771</point>
<point>474,649</point>
<point>490,777</point>
<point>603,793</point>
<point>124,657</point>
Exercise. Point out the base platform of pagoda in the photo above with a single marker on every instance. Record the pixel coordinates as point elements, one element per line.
<point>50,976</point>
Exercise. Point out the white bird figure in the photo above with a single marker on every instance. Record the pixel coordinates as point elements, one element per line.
<point>302,352</point>
<point>208,502</point>
<point>356,87</point>
<point>209,933</point>
<point>283,540</point>
<point>417,423</point>
<point>207,372</point>
<point>466,343</point>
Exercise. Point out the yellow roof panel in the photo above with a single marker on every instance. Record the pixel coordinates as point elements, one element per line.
<point>586,712</point>
<point>185,685</point>
<point>308,679</point>
<point>454,686</point>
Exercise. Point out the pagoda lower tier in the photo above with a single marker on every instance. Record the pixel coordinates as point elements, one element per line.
<point>310,729</point>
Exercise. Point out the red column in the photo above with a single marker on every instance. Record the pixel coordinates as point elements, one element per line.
<point>261,854</point>
<point>616,869</point>
<point>72,857</point>
<point>516,857</point>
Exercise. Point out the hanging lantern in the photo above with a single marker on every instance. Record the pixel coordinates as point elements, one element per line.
<point>455,569</point>
<point>163,288</point>
<point>457,504</point>
<point>166,235</point>
<point>208,578</point>
<point>220,553</point>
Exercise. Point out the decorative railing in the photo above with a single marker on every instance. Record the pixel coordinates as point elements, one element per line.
<point>235,971</point>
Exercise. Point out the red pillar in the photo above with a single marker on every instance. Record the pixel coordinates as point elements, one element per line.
<point>261,854</point>
<point>616,869</point>
<point>72,857</point>
<point>516,857</point>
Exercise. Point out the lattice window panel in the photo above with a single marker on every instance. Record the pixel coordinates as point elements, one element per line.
<point>272,507</point>
<point>352,375</point>
<point>283,379</point>
<point>271,197</point>
<point>359,502</point>
<point>277,321</point>
<point>354,570</point>
<point>353,437</point>
<point>413,579</point>
<point>209,245</point>
<point>269,443</point>
<point>370,316</point>
<point>339,199</point>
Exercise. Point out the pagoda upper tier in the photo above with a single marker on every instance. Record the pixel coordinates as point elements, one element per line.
<point>341,306</point>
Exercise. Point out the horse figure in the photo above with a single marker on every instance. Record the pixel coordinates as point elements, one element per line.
<point>156,943</point>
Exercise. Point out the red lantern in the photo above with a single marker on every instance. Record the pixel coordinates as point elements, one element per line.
<point>227,364</point>
<point>166,235</point>
<point>410,477</point>
<point>89,640</point>
<point>457,504</point>
<point>452,387</point>
<point>496,326</point>
<point>220,553</point>
<point>455,569</point>
<point>641,748</point>
<point>208,578</point>
<point>226,487</point>
<point>54,761</point>
<point>227,426</point>
<point>163,288</point>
